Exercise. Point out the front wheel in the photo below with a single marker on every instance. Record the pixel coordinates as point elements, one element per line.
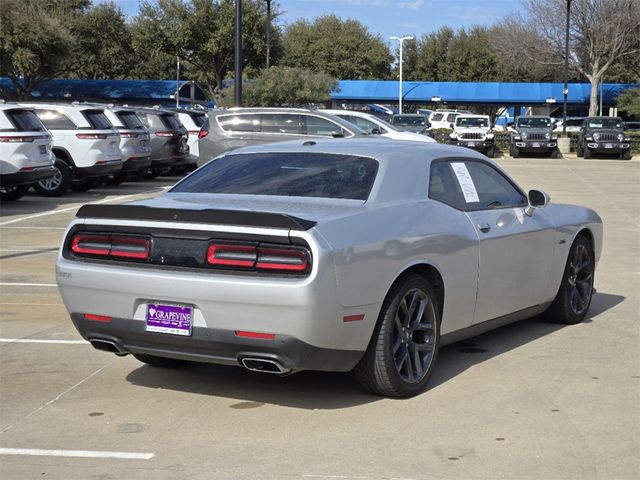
<point>579,151</point>
<point>587,152</point>
<point>515,153</point>
<point>626,155</point>
<point>404,345</point>
<point>9,194</point>
<point>555,153</point>
<point>491,152</point>
<point>576,288</point>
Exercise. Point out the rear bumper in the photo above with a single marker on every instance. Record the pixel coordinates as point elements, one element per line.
<point>25,178</point>
<point>107,168</point>
<point>210,345</point>
<point>136,163</point>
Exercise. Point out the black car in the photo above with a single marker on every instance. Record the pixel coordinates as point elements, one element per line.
<point>533,134</point>
<point>603,135</point>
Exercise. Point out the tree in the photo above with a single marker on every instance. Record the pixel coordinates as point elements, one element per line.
<point>201,33</point>
<point>602,32</point>
<point>629,101</point>
<point>285,87</point>
<point>34,42</point>
<point>103,49</point>
<point>341,49</point>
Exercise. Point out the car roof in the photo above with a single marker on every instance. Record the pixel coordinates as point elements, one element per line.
<point>536,116</point>
<point>472,115</point>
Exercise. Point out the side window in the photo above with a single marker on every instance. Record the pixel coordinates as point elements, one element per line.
<point>322,126</point>
<point>494,190</point>
<point>444,187</point>
<point>472,185</point>
<point>280,123</point>
<point>239,123</point>
<point>362,123</point>
<point>54,120</point>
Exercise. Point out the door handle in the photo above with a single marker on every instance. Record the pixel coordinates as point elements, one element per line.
<point>484,227</point>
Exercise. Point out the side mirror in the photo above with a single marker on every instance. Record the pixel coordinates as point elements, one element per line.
<point>375,131</point>
<point>337,134</point>
<point>537,199</point>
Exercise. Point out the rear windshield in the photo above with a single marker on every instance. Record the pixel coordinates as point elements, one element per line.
<point>130,120</point>
<point>198,119</point>
<point>97,119</point>
<point>409,120</point>
<point>25,121</point>
<point>605,123</point>
<point>171,121</point>
<point>437,117</point>
<point>472,122</point>
<point>285,174</point>
<point>534,122</point>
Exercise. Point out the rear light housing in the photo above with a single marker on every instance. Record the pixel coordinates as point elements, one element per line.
<point>92,136</point>
<point>203,133</point>
<point>128,134</point>
<point>111,246</point>
<point>164,134</point>
<point>261,258</point>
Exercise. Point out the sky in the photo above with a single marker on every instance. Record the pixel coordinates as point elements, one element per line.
<point>388,17</point>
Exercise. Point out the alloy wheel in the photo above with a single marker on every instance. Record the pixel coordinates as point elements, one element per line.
<point>52,183</point>
<point>580,278</point>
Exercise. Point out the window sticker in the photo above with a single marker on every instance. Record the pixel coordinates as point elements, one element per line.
<point>466,182</point>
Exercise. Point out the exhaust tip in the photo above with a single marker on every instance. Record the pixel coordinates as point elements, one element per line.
<point>106,346</point>
<point>264,365</point>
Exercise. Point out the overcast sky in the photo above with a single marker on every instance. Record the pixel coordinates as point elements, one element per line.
<point>389,17</point>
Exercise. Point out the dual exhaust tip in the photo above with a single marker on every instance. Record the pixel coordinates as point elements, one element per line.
<point>255,364</point>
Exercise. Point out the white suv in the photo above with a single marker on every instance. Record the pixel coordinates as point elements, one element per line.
<point>85,145</point>
<point>192,121</point>
<point>373,125</point>
<point>443,118</point>
<point>25,151</point>
<point>474,131</point>
<point>134,144</point>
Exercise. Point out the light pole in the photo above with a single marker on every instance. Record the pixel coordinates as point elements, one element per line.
<point>565,91</point>
<point>268,30</point>
<point>238,57</point>
<point>401,40</point>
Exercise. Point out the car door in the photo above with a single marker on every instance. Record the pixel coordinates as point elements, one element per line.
<point>240,130</point>
<point>515,250</point>
<point>278,127</point>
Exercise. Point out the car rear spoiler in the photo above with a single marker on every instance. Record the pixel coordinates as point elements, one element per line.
<point>220,217</point>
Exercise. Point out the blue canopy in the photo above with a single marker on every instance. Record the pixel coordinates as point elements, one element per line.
<point>467,93</point>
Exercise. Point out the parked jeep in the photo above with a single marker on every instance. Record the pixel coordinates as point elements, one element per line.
<point>533,134</point>
<point>603,135</point>
<point>474,131</point>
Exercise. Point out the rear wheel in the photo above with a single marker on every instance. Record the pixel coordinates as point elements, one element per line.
<point>58,184</point>
<point>162,362</point>
<point>576,289</point>
<point>9,194</point>
<point>85,184</point>
<point>115,179</point>
<point>404,345</point>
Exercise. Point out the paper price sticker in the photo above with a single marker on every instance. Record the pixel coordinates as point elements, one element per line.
<point>466,182</point>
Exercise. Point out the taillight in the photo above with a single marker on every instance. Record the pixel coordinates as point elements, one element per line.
<point>118,246</point>
<point>92,136</point>
<point>243,256</point>
<point>128,135</point>
<point>17,139</point>
<point>203,133</point>
<point>164,134</point>
<point>193,132</point>
<point>280,259</point>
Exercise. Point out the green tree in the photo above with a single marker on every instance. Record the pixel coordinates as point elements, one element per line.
<point>629,101</point>
<point>286,87</point>
<point>433,55</point>
<point>201,33</point>
<point>103,49</point>
<point>341,49</point>
<point>35,42</point>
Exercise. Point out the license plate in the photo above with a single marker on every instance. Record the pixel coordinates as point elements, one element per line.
<point>471,144</point>
<point>536,145</point>
<point>608,145</point>
<point>43,149</point>
<point>172,319</point>
<point>143,146</point>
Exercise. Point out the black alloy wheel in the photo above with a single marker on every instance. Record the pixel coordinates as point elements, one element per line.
<point>404,345</point>
<point>576,290</point>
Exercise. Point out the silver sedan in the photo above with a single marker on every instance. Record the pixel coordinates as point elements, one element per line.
<point>366,255</point>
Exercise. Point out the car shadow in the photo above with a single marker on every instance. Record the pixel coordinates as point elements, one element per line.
<point>328,391</point>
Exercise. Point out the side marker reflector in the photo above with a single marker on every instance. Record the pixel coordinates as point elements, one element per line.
<point>353,318</point>
<point>97,318</point>
<point>262,336</point>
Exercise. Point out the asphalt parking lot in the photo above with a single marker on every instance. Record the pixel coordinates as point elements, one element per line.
<point>530,400</point>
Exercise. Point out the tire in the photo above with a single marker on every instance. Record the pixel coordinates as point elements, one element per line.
<point>587,153</point>
<point>138,175</point>
<point>115,179</point>
<point>162,362</point>
<point>626,155</point>
<point>10,194</point>
<point>403,349</point>
<point>555,153</point>
<point>58,184</point>
<point>491,152</point>
<point>151,173</point>
<point>85,184</point>
<point>579,151</point>
<point>515,153</point>
<point>576,288</point>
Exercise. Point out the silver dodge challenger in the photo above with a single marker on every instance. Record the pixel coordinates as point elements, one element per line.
<point>364,255</point>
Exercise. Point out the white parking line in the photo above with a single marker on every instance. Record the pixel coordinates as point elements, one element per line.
<point>69,209</point>
<point>76,453</point>
<point>60,342</point>
<point>10,284</point>
<point>30,228</point>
